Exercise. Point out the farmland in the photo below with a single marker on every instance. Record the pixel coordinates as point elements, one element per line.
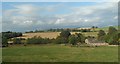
<point>59,53</point>
<point>53,34</point>
<point>52,52</point>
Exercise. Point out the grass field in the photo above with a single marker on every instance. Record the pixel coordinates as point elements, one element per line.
<point>58,53</point>
<point>0,54</point>
<point>106,28</point>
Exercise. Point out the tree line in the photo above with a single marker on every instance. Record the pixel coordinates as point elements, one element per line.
<point>62,29</point>
<point>8,35</point>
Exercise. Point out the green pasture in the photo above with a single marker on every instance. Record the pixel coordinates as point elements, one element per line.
<point>59,53</point>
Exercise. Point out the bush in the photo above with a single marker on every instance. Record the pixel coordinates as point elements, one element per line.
<point>18,40</point>
<point>46,41</point>
<point>112,30</point>
<point>101,35</point>
<point>34,40</point>
<point>80,37</point>
<point>61,40</point>
<point>73,39</point>
<point>38,40</point>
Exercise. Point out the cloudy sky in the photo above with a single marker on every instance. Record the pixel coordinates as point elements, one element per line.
<point>26,16</point>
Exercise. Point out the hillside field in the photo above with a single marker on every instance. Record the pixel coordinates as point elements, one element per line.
<point>59,53</point>
<point>53,34</point>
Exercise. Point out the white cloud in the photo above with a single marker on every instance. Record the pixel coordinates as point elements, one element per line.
<point>116,17</point>
<point>59,21</point>
<point>26,9</point>
<point>30,16</point>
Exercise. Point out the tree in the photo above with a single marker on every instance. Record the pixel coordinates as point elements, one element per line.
<point>112,30</point>
<point>101,34</point>
<point>73,39</point>
<point>9,34</point>
<point>112,36</point>
<point>4,42</point>
<point>93,27</point>
<point>65,34</point>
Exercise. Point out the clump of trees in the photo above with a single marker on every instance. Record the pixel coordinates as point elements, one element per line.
<point>112,37</point>
<point>76,39</point>
<point>63,38</point>
<point>67,38</point>
<point>93,28</point>
<point>8,35</point>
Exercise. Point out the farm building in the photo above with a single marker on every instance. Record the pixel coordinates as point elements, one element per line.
<point>95,42</point>
<point>10,42</point>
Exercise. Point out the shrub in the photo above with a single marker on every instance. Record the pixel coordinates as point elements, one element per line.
<point>80,37</point>
<point>18,40</point>
<point>72,39</point>
<point>112,30</point>
<point>101,35</point>
<point>38,40</point>
<point>61,40</point>
<point>34,40</point>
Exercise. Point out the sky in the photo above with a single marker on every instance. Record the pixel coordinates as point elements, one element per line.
<point>27,16</point>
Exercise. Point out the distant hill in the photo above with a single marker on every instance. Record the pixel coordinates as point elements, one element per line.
<point>106,28</point>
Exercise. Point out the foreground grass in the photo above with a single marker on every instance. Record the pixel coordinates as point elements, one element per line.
<point>0,55</point>
<point>57,53</point>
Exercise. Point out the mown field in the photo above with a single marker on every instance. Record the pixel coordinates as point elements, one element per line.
<point>53,34</point>
<point>59,53</point>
